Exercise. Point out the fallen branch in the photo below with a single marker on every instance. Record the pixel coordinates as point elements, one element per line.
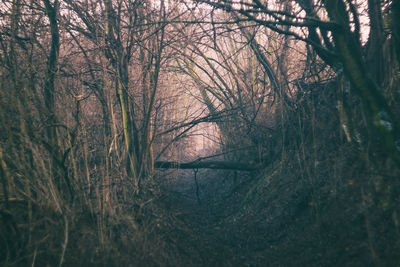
<point>221,165</point>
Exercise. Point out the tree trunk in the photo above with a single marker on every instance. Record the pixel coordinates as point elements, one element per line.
<point>380,120</point>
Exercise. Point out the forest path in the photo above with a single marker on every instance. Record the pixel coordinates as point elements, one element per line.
<point>210,239</point>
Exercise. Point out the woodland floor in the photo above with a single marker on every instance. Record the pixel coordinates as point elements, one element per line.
<point>213,238</point>
<point>274,217</point>
<point>285,222</point>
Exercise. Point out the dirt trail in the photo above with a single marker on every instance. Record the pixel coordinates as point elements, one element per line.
<point>212,239</point>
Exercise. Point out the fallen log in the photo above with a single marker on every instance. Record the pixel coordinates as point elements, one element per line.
<point>219,165</point>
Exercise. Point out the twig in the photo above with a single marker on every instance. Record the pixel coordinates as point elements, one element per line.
<point>197,185</point>
<point>64,245</point>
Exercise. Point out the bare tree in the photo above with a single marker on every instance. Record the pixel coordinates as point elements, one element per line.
<point>338,42</point>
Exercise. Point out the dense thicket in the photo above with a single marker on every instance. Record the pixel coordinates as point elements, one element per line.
<point>297,101</point>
